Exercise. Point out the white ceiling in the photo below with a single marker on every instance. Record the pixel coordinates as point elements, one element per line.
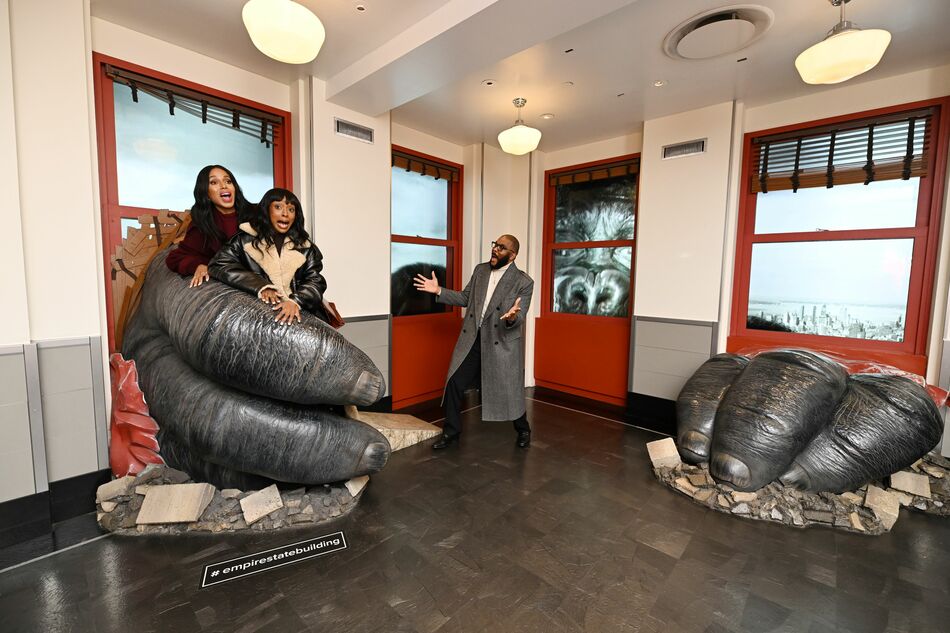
<point>393,56</point>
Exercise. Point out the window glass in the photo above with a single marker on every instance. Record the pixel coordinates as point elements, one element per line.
<point>595,210</point>
<point>880,205</point>
<point>158,155</point>
<point>419,205</point>
<point>854,289</point>
<point>408,260</point>
<point>594,281</point>
<point>128,223</point>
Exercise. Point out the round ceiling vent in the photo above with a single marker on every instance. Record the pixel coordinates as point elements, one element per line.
<point>718,32</point>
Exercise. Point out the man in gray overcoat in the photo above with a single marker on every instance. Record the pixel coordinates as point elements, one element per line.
<point>489,350</point>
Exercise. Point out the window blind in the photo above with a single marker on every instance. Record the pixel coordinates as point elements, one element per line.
<point>600,172</point>
<point>425,167</point>
<point>240,118</point>
<point>881,148</point>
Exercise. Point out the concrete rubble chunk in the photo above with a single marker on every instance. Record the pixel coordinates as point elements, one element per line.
<point>698,480</point>
<point>914,483</point>
<point>142,490</point>
<point>108,506</point>
<point>934,471</point>
<point>663,453</point>
<point>683,484</point>
<point>856,522</point>
<point>905,499</point>
<point>744,497</point>
<point>115,488</point>
<point>150,472</point>
<point>853,498</point>
<point>886,505</point>
<point>741,508</point>
<point>357,484</point>
<point>175,503</point>
<point>723,501</point>
<point>704,495</point>
<point>231,493</point>
<point>261,503</point>
<point>399,429</point>
<point>777,514</point>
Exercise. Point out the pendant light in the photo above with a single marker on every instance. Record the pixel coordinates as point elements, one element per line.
<point>519,139</point>
<point>284,30</point>
<point>846,52</point>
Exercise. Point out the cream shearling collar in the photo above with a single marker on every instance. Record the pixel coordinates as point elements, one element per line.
<point>279,268</point>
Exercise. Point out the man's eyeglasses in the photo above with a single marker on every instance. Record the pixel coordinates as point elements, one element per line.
<point>495,246</point>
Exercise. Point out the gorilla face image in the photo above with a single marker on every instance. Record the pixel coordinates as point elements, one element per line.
<point>596,280</point>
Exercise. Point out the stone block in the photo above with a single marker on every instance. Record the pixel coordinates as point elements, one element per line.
<point>934,471</point>
<point>853,498</point>
<point>261,503</point>
<point>108,506</point>
<point>699,480</point>
<point>885,505</point>
<point>704,495</point>
<point>356,484</point>
<point>905,499</point>
<point>663,453</point>
<point>913,483</point>
<point>175,503</point>
<point>401,430</point>
<point>723,501</point>
<point>142,490</point>
<point>741,508</point>
<point>819,516</point>
<point>231,493</point>
<point>115,488</point>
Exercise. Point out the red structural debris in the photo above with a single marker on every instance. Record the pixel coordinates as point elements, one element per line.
<point>133,444</point>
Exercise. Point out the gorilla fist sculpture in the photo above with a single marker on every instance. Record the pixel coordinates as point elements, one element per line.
<point>799,417</point>
<point>240,400</point>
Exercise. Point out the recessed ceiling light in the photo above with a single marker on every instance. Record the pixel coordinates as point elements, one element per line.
<point>568,84</point>
<point>488,82</point>
<point>361,8</point>
<point>547,116</point>
<point>659,83</point>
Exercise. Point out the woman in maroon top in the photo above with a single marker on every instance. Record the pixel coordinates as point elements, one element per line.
<point>219,208</point>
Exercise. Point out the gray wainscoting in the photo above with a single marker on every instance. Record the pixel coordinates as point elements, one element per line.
<point>664,353</point>
<point>944,383</point>
<point>17,477</point>
<point>372,334</point>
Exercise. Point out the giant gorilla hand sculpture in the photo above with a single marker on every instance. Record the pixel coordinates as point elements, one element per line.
<point>798,417</point>
<point>236,395</point>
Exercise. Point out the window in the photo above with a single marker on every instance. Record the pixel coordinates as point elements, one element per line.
<point>590,239</point>
<point>837,234</point>
<point>426,201</point>
<point>155,133</point>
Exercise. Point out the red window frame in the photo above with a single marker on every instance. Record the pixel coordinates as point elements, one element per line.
<point>453,264</point>
<point>112,211</point>
<point>910,354</point>
<point>549,245</point>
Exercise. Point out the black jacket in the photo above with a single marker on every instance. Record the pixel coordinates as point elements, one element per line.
<point>293,273</point>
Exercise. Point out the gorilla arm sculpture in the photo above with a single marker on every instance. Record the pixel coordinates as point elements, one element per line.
<point>797,417</point>
<point>235,393</point>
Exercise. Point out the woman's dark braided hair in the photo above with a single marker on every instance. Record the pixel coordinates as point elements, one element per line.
<point>266,233</point>
<point>202,213</point>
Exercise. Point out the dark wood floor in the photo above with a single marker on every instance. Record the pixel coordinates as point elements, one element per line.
<point>573,534</point>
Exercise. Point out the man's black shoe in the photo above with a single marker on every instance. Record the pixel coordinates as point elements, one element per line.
<point>445,441</point>
<point>524,439</point>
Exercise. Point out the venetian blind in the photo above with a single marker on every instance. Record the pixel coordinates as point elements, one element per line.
<point>881,148</point>
<point>240,118</point>
<point>410,162</point>
<point>586,174</point>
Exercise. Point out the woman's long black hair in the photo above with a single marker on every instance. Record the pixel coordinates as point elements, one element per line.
<point>266,233</point>
<point>202,212</point>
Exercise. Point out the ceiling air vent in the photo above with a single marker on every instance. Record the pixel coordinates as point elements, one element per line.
<point>352,130</point>
<point>718,32</point>
<point>688,148</point>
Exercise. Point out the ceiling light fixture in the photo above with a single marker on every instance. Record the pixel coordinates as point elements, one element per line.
<point>519,139</point>
<point>659,83</point>
<point>284,30</point>
<point>846,52</point>
<point>547,116</point>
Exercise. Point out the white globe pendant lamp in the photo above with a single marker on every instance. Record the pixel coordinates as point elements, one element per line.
<point>284,30</point>
<point>846,52</point>
<point>519,139</point>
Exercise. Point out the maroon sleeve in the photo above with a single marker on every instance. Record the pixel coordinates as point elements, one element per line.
<point>194,250</point>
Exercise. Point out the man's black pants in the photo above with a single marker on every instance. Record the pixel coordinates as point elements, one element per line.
<point>467,376</point>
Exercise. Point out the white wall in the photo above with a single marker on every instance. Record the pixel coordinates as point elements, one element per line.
<point>14,321</point>
<point>352,201</point>
<point>427,144</point>
<point>630,143</point>
<point>55,146</point>
<point>682,215</point>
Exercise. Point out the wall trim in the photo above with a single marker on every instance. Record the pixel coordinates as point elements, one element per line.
<point>10,350</point>
<point>99,400</point>
<point>361,319</point>
<point>674,321</point>
<point>34,398</point>
<point>63,342</point>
